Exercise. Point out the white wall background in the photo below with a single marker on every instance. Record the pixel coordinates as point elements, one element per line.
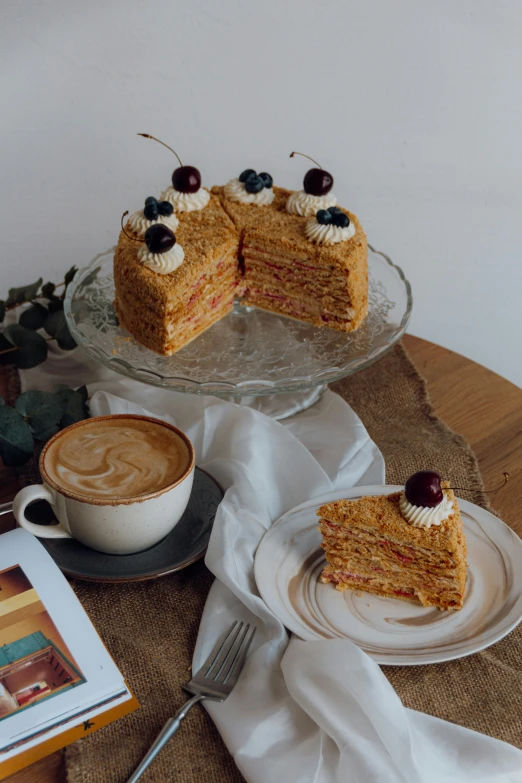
<point>414,106</point>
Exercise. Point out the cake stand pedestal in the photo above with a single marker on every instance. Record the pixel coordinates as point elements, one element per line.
<point>281,406</point>
<point>271,363</point>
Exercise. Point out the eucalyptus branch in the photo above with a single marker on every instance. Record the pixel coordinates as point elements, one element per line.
<point>35,298</point>
<point>36,415</point>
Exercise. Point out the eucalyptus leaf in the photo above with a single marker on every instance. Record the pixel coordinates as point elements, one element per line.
<point>23,294</point>
<point>16,440</point>
<point>65,339</point>
<point>2,310</point>
<point>32,346</point>
<point>2,401</point>
<point>69,275</point>
<point>6,351</point>
<point>56,326</point>
<point>82,391</point>
<point>54,323</point>
<point>75,408</point>
<point>55,305</point>
<point>42,411</point>
<point>48,290</point>
<point>34,317</point>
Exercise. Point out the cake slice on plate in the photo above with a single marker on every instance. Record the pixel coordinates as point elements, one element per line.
<point>408,545</point>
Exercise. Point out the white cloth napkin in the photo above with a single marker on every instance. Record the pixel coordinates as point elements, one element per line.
<point>302,712</point>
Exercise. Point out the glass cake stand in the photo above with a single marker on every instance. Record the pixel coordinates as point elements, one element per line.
<point>275,364</point>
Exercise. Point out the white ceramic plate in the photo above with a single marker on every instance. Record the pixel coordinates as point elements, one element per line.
<point>289,561</point>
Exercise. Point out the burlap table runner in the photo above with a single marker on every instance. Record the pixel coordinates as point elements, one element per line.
<point>150,628</point>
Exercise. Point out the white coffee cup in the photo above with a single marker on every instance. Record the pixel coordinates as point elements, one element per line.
<point>114,525</point>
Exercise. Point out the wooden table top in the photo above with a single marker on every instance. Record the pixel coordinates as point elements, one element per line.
<point>483,407</point>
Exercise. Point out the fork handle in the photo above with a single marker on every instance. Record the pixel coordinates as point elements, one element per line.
<point>169,729</point>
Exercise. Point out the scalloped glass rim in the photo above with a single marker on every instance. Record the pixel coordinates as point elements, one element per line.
<point>325,354</point>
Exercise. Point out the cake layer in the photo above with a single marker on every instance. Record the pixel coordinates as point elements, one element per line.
<point>200,294</point>
<point>414,575</point>
<point>181,332</point>
<point>366,542</point>
<point>294,308</point>
<point>440,596</point>
<point>324,288</point>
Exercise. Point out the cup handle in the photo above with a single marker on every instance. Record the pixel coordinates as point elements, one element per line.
<point>28,495</point>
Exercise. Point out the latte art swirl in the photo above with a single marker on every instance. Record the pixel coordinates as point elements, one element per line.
<point>117,459</point>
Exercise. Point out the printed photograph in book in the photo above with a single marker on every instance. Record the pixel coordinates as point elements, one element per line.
<point>35,662</point>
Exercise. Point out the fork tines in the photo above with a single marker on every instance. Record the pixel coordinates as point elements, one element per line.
<point>223,666</point>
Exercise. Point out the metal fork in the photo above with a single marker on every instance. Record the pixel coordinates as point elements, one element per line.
<point>214,681</point>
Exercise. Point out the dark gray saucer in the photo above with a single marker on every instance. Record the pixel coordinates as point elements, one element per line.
<point>186,544</point>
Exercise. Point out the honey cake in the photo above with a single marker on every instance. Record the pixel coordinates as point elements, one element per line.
<point>370,546</point>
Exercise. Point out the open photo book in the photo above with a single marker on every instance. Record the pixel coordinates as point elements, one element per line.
<point>58,683</point>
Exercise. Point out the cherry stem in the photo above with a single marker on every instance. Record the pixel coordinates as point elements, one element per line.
<point>484,491</point>
<point>306,156</point>
<point>148,136</point>
<point>128,235</point>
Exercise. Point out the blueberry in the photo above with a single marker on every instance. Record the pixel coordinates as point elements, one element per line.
<point>151,200</point>
<point>334,210</point>
<point>254,185</point>
<point>342,220</point>
<point>165,208</point>
<point>323,217</point>
<point>151,211</point>
<point>247,174</point>
<point>267,179</point>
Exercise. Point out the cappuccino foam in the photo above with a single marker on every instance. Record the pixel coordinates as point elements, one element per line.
<point>117,458</point>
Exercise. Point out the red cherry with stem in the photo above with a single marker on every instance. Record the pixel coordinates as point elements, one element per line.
<point>317,182</point>
<point>185,179</point>
<point>424,489</point>
<point>159,238</point>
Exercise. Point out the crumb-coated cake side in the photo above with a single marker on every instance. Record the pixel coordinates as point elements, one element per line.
<point>286,273</point>
<point>371,546</point>
<point>165,311</point>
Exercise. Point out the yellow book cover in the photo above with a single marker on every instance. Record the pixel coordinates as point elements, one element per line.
<point>57,679</point>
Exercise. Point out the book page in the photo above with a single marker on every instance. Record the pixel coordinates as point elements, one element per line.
<point>53,665</point>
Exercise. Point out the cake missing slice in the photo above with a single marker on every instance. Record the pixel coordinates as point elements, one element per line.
<point>370,546</point>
